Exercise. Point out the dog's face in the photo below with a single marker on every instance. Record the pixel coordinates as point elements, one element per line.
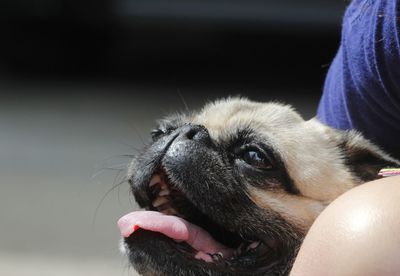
<point>252,176</point>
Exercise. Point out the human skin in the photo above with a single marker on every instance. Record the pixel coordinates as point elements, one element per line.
<point>357,234</point>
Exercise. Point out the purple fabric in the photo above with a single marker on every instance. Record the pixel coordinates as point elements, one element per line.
<point>362,88</point>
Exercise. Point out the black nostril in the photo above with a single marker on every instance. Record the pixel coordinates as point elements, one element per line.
<point>195,133</point>
<point>192,133</point>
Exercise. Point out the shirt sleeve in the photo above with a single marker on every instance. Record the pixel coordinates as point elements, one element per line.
<point>362,87</point>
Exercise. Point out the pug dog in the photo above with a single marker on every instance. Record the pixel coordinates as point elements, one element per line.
<point>234,188</point>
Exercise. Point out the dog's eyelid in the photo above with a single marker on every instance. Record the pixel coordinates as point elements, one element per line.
<point>257,147</point>
<point>236,146</point>
<point>162,130</point>
<point>252,151</point>
<point>156,133</point>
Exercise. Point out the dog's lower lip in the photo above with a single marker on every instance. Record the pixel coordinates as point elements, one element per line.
<point>175,228</point>
<point>160,189</point>
<point>179,230</point>
<point>241,249</point>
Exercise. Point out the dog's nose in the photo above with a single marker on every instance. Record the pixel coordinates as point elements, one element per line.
<point>194,132</point>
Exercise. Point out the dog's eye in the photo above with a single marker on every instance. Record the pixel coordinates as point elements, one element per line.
<point>156,133</point>
<point>256,159</point>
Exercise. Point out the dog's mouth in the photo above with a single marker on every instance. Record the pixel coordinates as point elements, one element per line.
<point>174,219</point>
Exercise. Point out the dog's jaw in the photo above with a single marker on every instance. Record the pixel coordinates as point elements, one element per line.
<point>210,197</point>
<point>155,254</point>
<point>206,181</point>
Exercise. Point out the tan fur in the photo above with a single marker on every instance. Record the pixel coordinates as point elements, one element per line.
<point>299,210</point>
<point>309,151</point>
<point>223,118</point>
<point>315,162</point>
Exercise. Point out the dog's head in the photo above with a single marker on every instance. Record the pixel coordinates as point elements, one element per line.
<point>248,179</point>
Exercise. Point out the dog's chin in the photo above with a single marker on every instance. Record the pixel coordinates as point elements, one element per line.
<point>153,253</point>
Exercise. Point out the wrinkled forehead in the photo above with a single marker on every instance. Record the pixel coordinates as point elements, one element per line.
<point>227,117</point>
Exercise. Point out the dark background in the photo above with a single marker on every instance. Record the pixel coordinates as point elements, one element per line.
<point>244,44</point>
<point>83,81</point>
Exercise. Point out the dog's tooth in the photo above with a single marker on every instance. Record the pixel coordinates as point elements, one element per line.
<point>164,186</point>
<point>160,201</point>
<point>169,212</point>
<point>238,250</point>
<point>254,244</point>
<point>156,179</point>
<point>216,257</point>
<point>164,192</point>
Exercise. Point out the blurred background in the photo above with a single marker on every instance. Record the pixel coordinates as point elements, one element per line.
<point>81,83</point>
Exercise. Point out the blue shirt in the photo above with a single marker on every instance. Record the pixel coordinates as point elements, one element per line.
<point>362,88</point>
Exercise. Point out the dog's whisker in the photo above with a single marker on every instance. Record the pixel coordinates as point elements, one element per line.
<point>183,101</point>
<point>103,198</point>
<point>137,132</point>
<point>99,171</point>
<point>114,167</point>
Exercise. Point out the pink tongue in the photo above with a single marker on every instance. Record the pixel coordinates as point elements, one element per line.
<point>174,227</point>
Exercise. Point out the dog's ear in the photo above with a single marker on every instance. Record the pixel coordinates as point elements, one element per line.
<point>363,158</point>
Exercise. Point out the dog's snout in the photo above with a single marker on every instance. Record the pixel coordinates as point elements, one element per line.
<point>191,150</point>
<point>194,132</point>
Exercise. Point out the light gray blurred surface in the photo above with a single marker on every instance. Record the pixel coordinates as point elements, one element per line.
<point>46,265</point>
<point>53,139</point>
